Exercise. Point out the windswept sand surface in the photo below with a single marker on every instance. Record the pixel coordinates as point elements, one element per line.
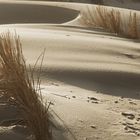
<point>129,4</point>
<point>32,13</point>
<point>91,77</point>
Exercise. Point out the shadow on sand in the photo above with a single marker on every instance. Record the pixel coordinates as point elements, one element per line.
<point>126,85</point>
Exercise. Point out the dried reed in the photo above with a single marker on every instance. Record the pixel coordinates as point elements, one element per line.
<point>16,84</point>
<point>133,31</point>
<point>112,21</point>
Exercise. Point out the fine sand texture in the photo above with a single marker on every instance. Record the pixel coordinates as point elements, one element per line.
<point>129,4</point>
<point>90,76</point>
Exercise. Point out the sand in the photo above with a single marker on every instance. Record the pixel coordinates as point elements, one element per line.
<point>129,4</point>
<point>91,77</point>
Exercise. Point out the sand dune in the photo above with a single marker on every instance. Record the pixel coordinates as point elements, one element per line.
<point>31,13</point>
<point>129,4</point>
<point>92,77</point>
<point>88,59</point>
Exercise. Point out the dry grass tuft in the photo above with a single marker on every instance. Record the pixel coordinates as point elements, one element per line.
<point>113,21</point>
<point>16,84</point>
<point>133,31</point>
<point>108,20</point>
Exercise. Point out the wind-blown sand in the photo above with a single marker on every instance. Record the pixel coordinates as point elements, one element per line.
<point>129,4</point>
<point>91,77</point>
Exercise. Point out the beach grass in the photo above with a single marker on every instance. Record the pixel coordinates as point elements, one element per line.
<point>17,84</point>
<point>113,21</point>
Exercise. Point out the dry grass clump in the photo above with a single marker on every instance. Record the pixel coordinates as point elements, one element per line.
<point>108,20</point>
<point>132,27</point>
<point>113,21</point>
<point>16,84</point>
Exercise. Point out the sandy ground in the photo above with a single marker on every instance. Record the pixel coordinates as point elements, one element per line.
<point>90,76</point>
<point>129,4</point>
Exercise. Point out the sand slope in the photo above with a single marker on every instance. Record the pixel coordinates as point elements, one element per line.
<point>31,13</point>
<point>91,77</point>
<point>129,4</point>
